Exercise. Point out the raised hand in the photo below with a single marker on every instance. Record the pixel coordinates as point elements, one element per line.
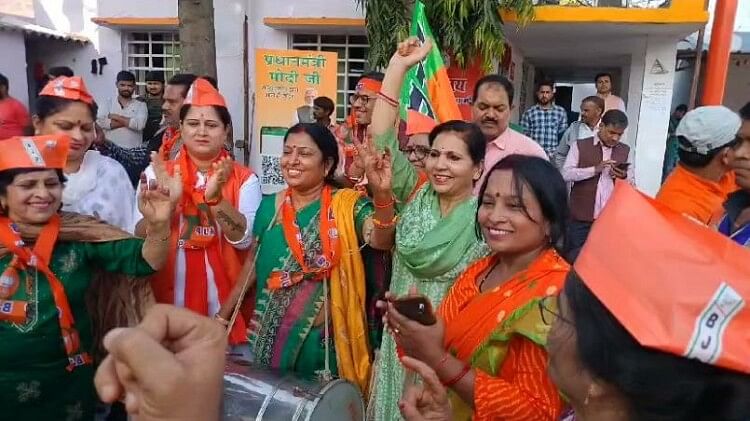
<point>377,167</point>
<point>410,52</point>
<point>171,182</point>
<point>220,172</point>
<point>155,202</point>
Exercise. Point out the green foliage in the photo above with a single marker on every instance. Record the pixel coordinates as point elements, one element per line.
<point>467,28</point>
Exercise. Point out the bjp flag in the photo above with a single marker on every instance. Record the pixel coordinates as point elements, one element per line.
<point>675,285</point>
<point>427,89</point>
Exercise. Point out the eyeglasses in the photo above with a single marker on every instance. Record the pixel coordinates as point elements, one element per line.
<point>547,307</point>
<point>353,98</point>
<point>420,152</point>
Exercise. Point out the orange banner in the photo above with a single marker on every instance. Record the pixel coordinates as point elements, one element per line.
<point>463,82</point>
<point>285,82</point>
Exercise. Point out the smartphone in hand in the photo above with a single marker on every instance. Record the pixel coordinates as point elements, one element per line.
<point>417,308</point>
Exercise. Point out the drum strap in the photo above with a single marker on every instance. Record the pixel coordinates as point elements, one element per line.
<point>326,375</point>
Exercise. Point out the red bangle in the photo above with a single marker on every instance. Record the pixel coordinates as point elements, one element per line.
<point>459,376</point>
<point>211,202</point>
<point>392,102</point>
<point>385,205</point>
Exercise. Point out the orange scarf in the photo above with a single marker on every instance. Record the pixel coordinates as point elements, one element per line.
<point>329,238</point>
<point>696,197</point>
<point>472,316</point>
<point>200,240</point>
<point>40,257</point>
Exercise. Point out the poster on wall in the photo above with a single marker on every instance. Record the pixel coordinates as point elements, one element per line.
<point>286,82</point>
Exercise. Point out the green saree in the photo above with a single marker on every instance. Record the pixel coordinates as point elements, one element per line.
<point>34,384</point>
<point>286,331</point>
<point>431,252</point>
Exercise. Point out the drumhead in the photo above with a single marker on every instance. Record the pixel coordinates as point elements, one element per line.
<point>338,400</point>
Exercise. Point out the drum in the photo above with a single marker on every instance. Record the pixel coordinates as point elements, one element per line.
<point>252,393</point>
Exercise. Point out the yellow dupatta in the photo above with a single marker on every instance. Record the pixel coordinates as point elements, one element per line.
<point>348,297</point>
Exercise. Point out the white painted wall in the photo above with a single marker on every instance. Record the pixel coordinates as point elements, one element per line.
<point>12,45</point>
<point>737,92</point>
<point>653,109</point>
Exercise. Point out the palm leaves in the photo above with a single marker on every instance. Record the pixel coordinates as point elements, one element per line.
<point>467,28</point>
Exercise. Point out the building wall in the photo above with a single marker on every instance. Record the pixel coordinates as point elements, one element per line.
<point>654,107</point>
<point>12,45</point>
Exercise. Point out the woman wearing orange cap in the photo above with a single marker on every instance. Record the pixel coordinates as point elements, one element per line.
<point>96,185</point>
<point>48,261</point>
<point>212,226</point>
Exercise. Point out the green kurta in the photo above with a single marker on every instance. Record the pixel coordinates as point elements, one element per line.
<point>283,336</point>
<point>34,384</point>
<point>431,251</point>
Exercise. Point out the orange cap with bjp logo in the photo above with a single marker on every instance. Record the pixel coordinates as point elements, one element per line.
<point>675,285</point>
<point>202,93</point>
<point>71,88</point>
<point>48,151</point>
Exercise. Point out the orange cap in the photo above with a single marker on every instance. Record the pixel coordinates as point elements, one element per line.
<point>202,93</point>
<point>675,285</point>
<point>71,88</point>
<point>418,123</point>
<point>48,151</point>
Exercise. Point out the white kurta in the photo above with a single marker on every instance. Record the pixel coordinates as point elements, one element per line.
<point>249,200</point>
<point>101,188</point>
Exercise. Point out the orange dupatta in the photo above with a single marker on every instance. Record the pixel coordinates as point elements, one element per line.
<point>329,238</point>
<point>39,257</point>
<point>472,318</point>
<point>200,239</point>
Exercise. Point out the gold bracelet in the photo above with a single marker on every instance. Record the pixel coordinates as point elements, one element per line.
<point>385,225</point>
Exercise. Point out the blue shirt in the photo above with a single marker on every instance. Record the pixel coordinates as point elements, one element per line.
<point>545,126</point>
<point>735,204</point>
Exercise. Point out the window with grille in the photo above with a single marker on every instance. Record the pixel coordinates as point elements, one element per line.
<point>147,51</point>
<point>352,61</point>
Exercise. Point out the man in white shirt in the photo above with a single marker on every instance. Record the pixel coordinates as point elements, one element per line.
<point>123,118</point>
<point>592,109</point>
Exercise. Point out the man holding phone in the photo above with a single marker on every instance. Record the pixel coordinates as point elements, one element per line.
<point>592,166</point>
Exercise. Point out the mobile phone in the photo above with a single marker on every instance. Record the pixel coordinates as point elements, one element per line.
<point>417,308</point>
<point>622,166</point>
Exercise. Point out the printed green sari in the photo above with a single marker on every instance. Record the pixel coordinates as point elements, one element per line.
<point>287,329</point>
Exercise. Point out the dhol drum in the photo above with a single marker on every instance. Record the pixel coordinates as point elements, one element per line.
<point>252,393</point>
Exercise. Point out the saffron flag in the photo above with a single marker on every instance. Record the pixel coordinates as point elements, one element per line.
<point>427,89</point>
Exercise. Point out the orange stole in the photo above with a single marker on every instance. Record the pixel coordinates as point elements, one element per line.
<point>163,281</point>
<point>499,333</point>
<point>471,317</point>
